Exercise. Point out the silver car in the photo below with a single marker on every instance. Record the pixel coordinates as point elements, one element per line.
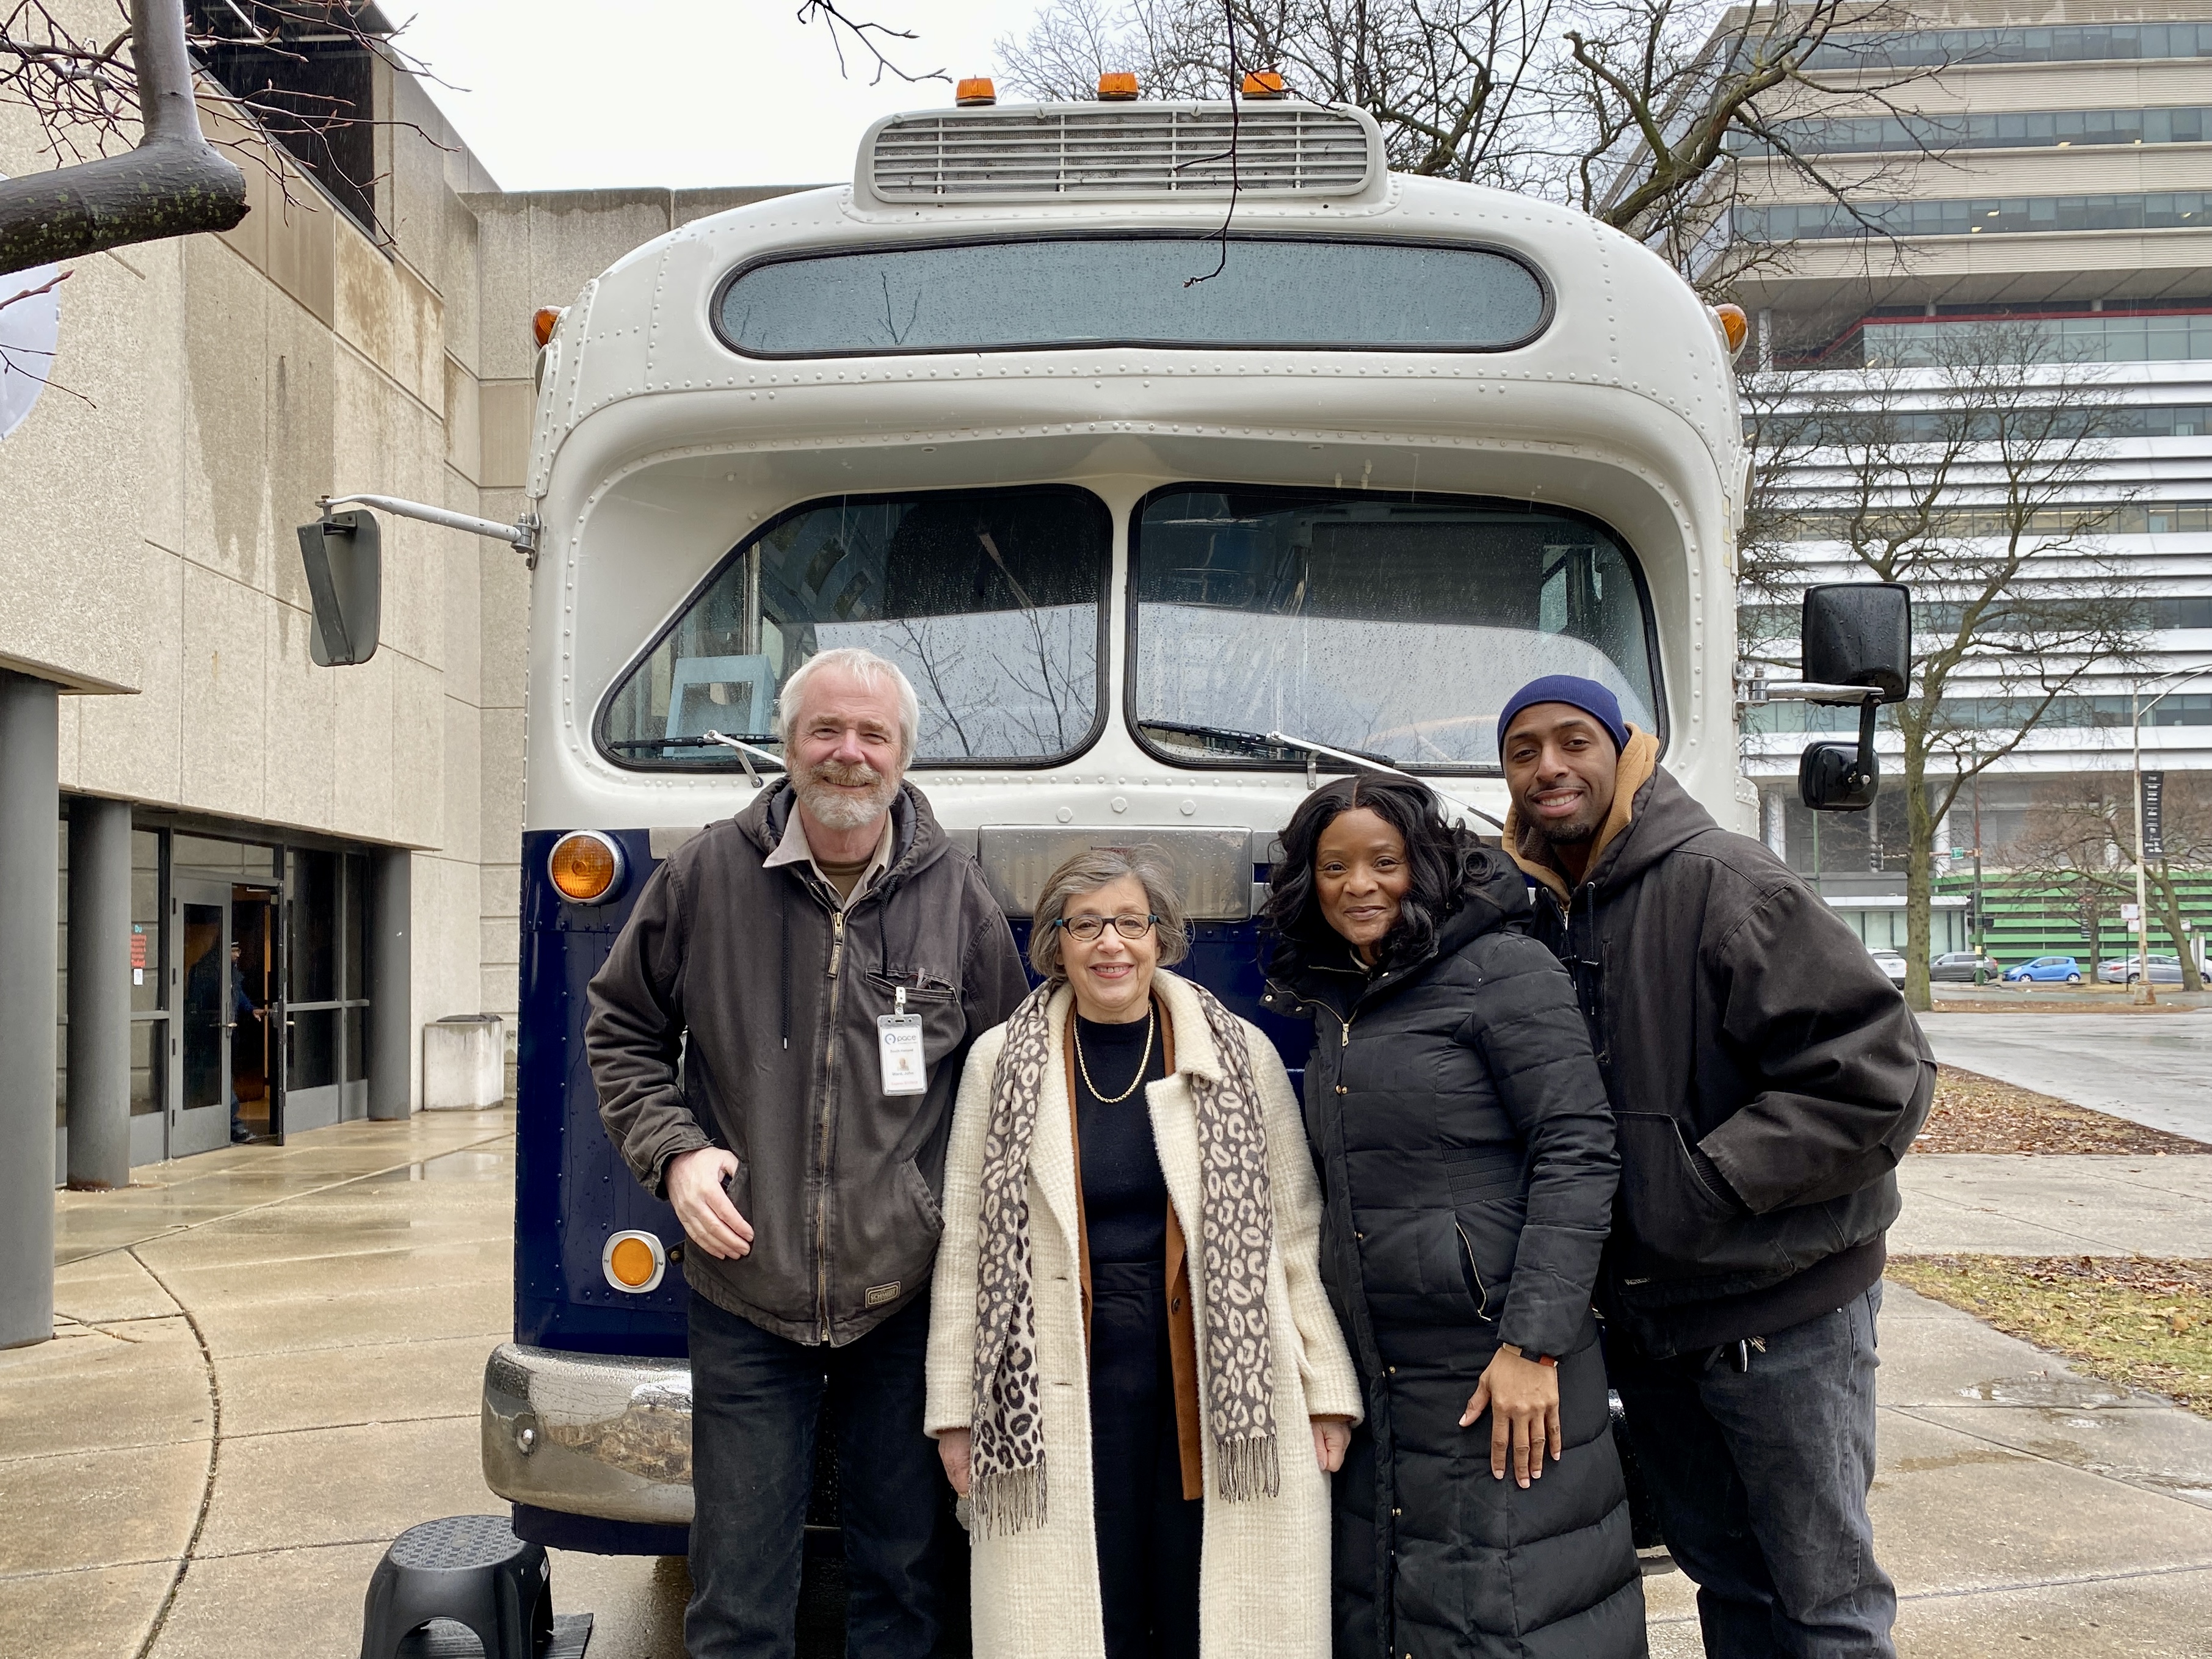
<point>1890,962</point>
<point>2165,969</point>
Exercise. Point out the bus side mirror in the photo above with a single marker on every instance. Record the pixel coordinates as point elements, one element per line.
<point>1857,636</point>
<point>344,562</point>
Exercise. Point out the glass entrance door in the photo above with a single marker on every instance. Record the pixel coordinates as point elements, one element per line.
<point>256,1013</point>
<point>200,1120</point>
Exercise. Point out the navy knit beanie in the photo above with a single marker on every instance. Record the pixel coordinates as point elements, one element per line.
<point>1587,695</point>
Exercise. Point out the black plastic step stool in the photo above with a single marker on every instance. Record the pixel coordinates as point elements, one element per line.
<point>473,1571</point>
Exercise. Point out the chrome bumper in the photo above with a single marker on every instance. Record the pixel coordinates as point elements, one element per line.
<point>589,1435</point>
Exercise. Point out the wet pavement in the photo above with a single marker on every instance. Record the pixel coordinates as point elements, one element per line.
<point>268,1363</point>
<point>2151,1066</point>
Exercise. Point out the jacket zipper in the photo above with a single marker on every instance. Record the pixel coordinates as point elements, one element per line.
<point>1482,1312</point>
<point>829,1087</point>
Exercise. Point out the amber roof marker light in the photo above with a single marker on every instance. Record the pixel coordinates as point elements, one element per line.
<point>586,867</point>
<point>1116,87</point>
<point>1264,83</point>
<point>976,90</point>
<point>547,319</point>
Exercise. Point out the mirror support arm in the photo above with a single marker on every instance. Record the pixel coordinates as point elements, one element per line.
<point>522,535</point>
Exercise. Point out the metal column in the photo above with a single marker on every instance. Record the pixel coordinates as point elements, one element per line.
<point>100,994</point>
<point>391,1017</point>
<point>30,919</point>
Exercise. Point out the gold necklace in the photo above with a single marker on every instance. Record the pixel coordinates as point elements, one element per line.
<point>1152,1017</point>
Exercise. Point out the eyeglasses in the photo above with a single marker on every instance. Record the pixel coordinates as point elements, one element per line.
<point>1088,929</point>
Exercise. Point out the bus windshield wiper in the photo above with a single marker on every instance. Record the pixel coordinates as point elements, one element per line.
<point>1352,758</point>
<point>1251,742</point>
<point>746,753</point>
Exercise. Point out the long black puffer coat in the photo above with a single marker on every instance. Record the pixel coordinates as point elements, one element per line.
<point>1468,1164</point>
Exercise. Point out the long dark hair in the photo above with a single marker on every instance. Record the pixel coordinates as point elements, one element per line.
<point>1440,855</point>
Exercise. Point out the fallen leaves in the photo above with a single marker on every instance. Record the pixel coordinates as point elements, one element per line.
<point>1977,1114</point>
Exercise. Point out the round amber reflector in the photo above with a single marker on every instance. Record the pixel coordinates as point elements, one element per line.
<point>1263,83</point>
<point>975,90</point>
<point>547,319</point>
<point>633,1261</point>
<point>1117,86</point>
<point>630,1261</point>
<point>585,866</point>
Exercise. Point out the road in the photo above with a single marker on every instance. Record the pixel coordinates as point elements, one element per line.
<point>2152,1068</point>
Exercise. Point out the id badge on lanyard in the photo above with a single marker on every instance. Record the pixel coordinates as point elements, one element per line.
<point>898,1050</point>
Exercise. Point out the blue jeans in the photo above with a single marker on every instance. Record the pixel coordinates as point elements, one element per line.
<point>757,1401</point>
<point>1760,1478</point>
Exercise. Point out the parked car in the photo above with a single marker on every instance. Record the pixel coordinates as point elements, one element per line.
<point>1890,963</point>
<point>1957,967</point>
<point>2045,970</point>
<point>2165,969</point>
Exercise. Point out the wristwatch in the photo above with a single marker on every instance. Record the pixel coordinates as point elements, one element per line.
<point>1519,1352</point>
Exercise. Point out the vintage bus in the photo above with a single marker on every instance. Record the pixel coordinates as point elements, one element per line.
<point>1182,455</point>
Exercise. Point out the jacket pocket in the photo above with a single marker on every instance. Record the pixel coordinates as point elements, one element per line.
<point>1674,1217</point>
<point>1489,1240</point>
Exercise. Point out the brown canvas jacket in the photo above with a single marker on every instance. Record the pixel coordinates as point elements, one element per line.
<point>739,1009</point>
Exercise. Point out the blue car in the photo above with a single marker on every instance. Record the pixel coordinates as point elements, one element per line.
<point>2045,970</point>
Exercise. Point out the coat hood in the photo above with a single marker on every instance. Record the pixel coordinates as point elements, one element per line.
<point>1492,895</point>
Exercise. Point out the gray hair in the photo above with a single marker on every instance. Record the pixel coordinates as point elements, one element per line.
<point>871,671</point>
<point>1102,866</point>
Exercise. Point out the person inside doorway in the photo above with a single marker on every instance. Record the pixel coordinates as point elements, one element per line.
<point>242,1007</point>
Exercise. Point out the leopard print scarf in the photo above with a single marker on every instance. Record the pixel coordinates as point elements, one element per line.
<point>1236,1238</point>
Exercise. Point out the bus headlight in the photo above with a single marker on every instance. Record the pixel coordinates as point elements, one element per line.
<point>588,867</point>
<point>633,1261</point>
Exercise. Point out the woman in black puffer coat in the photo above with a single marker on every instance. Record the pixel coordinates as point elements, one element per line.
<point>1468,1166</point>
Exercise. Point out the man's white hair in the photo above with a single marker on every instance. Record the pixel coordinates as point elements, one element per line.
<point>872,672</point>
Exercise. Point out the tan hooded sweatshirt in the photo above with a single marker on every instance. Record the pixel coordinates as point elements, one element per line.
<point>1526,846</point>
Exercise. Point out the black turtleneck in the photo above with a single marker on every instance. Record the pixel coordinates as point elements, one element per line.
<point>1125,1196</point>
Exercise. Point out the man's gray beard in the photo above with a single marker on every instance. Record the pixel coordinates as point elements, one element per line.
<point>834,809</point>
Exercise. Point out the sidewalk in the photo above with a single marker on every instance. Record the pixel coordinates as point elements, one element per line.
<point>272,1362</point>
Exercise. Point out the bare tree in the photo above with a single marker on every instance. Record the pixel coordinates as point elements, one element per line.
<point>1972,475</point>
<point>2080,835</point>
<point>1636,110</point>
<point>120,110</point>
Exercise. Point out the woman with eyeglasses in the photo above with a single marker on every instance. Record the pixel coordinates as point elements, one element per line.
<point>1128,1329</point>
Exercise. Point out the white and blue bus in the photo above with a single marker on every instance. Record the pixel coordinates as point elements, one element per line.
<point>1157,554</point>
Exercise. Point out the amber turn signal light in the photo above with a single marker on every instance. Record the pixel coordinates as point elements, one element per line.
<point>633,1261</point>
<point>547,319</point>
<point>585,867</point>
<point>1734,325</point>
<point>1263,83</point>
<point>975,90</point>
<point>1116,87</point>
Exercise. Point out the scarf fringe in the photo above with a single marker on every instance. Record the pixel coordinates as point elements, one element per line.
<point>1247,1467</point>
<point>1009,1502</point>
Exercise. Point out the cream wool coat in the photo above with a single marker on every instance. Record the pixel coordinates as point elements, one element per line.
<point>1264,1572</point>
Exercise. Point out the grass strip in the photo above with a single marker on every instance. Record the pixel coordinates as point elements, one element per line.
<point>2140,1321</point>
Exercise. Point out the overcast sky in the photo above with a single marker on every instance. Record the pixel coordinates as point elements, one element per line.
<point>569,94</point>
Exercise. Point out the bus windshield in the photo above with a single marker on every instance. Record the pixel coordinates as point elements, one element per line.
<point>990,599</point>
<point>1394,626</point>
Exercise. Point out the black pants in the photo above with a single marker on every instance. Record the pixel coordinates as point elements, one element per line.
<point>1148,1534</point>
<point>757,1401</point>
<point>1760,1479</point>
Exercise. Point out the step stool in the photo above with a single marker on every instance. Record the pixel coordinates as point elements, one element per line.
<point>469,1571</point>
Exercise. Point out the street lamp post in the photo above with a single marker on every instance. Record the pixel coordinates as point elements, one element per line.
<point>2137,709</point>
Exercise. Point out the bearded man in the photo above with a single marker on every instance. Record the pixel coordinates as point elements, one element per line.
<point>776,1038</point>
<point>1765,1079</point>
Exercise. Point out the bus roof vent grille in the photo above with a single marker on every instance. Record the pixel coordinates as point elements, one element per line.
<point>1054,152</point>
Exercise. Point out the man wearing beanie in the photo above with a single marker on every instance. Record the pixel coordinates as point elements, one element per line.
<point>1765,1079</point>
